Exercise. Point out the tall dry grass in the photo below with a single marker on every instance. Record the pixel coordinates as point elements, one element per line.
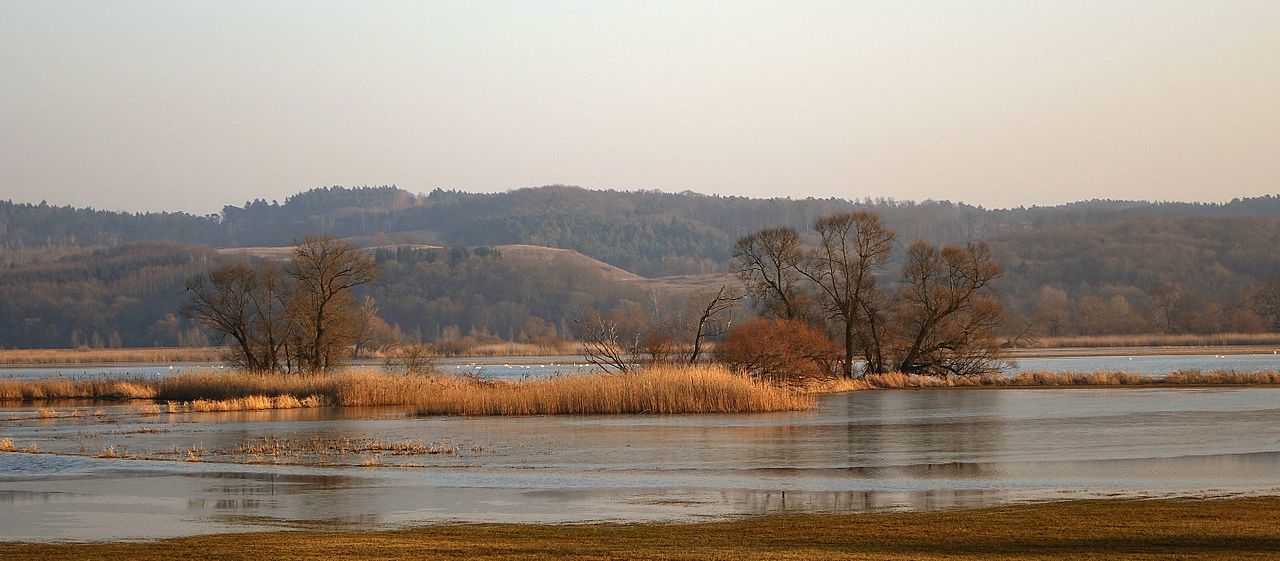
<point>62,388</point>
<point>1160,340</point>
<point>525,349</point>
<point>249,403</point>
<point>657,390</point>
<point>898,380</point>
<point>96,356</point>
<point>706,389</point>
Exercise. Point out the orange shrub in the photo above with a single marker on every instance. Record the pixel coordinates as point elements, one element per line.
<point>778,349</point>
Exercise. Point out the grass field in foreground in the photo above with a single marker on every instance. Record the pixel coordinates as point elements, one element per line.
<point>1243,528</point>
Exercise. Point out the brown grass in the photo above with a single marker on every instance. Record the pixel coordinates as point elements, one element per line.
<point>62,388</point>
<point>1160,340</point>
<point>526,349</point>
<point>247,403</point>
<point>6,444</point>
<point>898,380</point>
<point>101,356</point>
<point>658,390</point>
<point>1139,530</point>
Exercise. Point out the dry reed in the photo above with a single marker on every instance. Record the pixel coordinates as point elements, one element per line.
<point>247,403</point>
<point>1160,340</point>
<point>63,388</point>
<point>98,356</point>
<point>658,390</point>
<point>898,380</point>
<point>6,444</point>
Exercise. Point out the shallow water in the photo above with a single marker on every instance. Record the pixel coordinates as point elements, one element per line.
<point>539,367</point>
<point>893,449</point>
<point>1149,364</point>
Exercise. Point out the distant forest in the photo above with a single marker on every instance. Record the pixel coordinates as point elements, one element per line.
<point>84,277</point>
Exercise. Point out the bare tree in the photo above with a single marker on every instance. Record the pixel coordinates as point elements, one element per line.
<point>247,305</point>
<point>413,358</point>
<point>324,270</point>
<point>768,262</point>
<point>602,343</point>
<point>853,247</point>
<point>946,323</point>
<point>707,325</point>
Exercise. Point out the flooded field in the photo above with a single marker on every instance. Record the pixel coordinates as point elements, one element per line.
<point>108,472</point>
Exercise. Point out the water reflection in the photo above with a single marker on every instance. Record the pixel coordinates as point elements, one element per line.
<point>866,451</point>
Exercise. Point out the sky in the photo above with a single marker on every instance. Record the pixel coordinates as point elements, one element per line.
<point>179,105</point>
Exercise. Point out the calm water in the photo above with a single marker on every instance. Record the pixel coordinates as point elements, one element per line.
<point>899,449</point>
<point>533,367</point>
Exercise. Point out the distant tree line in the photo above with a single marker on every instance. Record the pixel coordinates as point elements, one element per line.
<point>82,277</point>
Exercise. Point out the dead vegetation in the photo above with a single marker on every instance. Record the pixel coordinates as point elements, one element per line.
<point>249,403</point>
<point>285,447</point>
<point>702,389</point>
<point>655,390</point>
<point>63,388</point>
<point>165,355</point>
<point>1159,340</point>
<point>1185,378</point>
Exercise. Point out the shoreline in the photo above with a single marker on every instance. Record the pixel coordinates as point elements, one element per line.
<point>1191,528</point>
<point>51,358</point>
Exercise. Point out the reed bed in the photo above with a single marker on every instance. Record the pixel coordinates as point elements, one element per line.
<point>898,380</point>
<point>658,390</point>
<point>706,389</point>
<point>62,388</point>
<point>1160,340</point>
<point>99,356</point>
<point>524,349</point>
<point>248,403</point>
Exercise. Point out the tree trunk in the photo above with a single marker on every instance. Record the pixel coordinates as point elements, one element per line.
<point>848,349</point>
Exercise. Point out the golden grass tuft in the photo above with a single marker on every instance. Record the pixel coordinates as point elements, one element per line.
<point>6,444</point>
<point>657,390</point>
<point>247,403</point>
<point>254,403</point>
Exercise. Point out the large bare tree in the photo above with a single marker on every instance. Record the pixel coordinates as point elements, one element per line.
<point>852,248</point>
<point>946,321</point>
<point>324,270</point>
<point>245,304</point>
<point>768,262</point>
<point>303,318</point>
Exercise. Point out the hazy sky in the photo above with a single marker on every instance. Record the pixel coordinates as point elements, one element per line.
<point>192,105</point>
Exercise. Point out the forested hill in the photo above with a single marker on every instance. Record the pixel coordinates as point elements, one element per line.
<point>647,232</point>
<point>1092,267</point>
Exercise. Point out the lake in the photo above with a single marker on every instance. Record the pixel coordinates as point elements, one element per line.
<point>856,452</point>
<point>533,367</point>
